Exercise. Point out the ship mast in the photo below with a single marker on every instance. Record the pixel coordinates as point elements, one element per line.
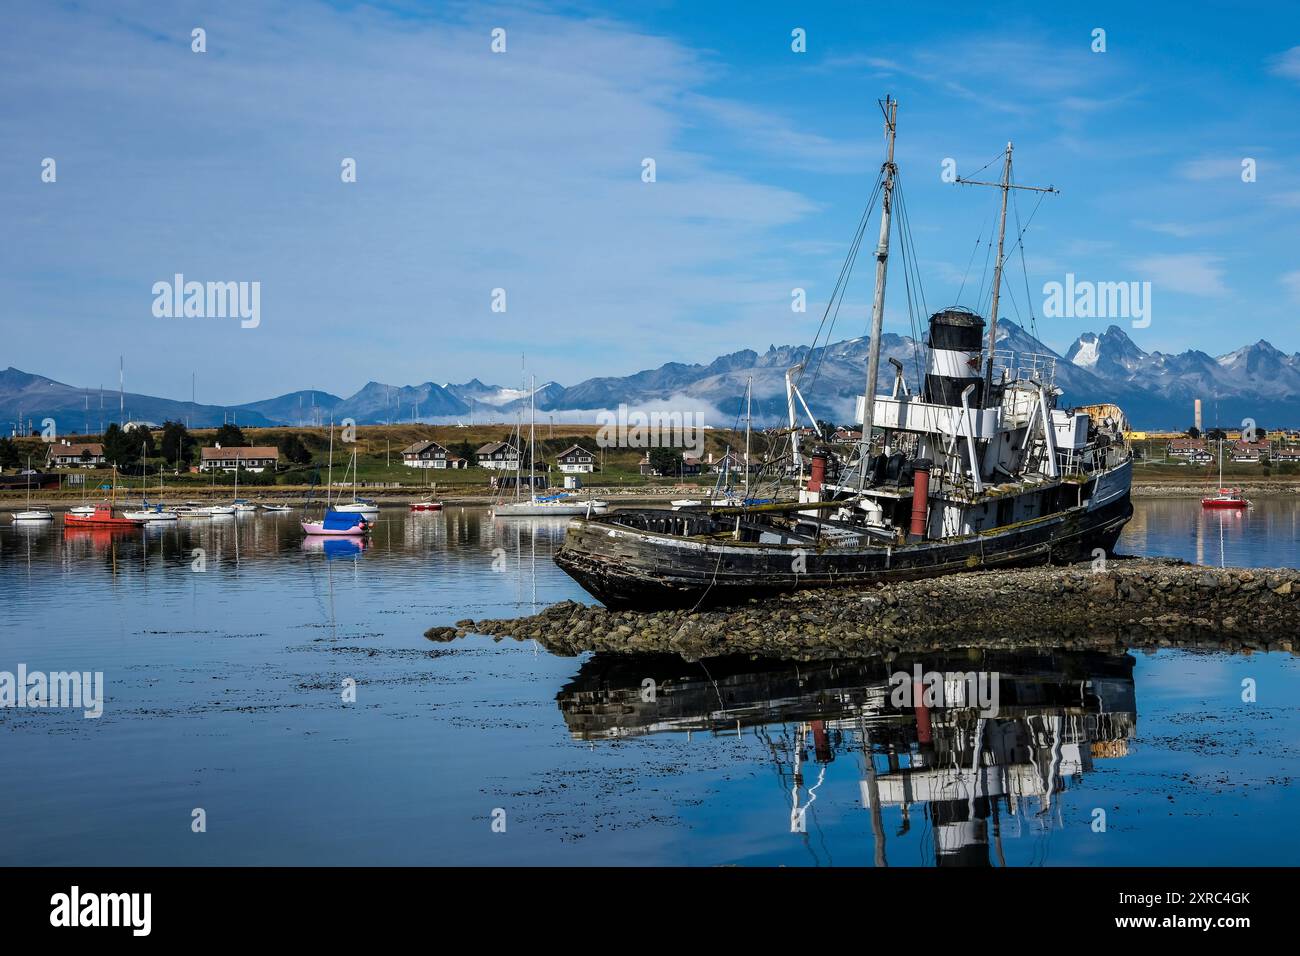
<point>890,109</point>
<point>1006,185</point>
<point>749,419</point>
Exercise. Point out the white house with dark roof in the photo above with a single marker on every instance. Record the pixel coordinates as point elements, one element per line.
<point>499,455</point>
<point>256,458</point>
<point>576,460</point>
<point>65,454</point>
<point>430,454</point>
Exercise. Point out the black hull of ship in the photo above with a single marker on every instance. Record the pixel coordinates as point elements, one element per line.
<point>625,566</point>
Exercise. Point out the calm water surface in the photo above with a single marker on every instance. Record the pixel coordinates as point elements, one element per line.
<point>224,692</point>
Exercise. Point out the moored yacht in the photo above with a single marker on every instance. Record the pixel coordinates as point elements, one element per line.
<point>1226,497</point>
<point>30,513</point>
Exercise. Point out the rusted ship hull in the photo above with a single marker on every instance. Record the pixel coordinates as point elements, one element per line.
<point>652,558</point>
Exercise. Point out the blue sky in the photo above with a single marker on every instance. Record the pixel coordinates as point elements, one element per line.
<point>522,171</point>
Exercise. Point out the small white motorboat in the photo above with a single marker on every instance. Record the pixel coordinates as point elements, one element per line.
<point>148,515</point>
<point>276,509</point>
<point>84,510</point>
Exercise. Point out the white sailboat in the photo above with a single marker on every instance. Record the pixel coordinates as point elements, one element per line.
<point>32,514</point>
<point>217,511</point>
<point>357,506</point>
<point>241,505</point>
<point>549,506</point>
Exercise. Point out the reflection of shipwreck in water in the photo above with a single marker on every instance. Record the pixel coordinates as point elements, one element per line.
<point>981,743</point>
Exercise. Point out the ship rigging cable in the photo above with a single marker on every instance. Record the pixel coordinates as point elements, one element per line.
<point>841,284</point>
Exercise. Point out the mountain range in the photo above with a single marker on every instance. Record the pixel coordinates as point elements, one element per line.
<point>1156,389</point>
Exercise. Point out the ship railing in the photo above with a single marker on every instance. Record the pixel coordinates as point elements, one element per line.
<point>1093,457</point>
<point>1012,367</point>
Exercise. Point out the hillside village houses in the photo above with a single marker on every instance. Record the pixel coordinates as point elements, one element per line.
<point>430,454</point>
<point>688,466</point>
<point>65,454</point>
<point>1186,447</point>
<point>733,462</point>
<point>1248,451</point>
<point>254,458</point>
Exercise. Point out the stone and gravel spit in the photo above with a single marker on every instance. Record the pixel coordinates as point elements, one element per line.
<point>1128,602</point>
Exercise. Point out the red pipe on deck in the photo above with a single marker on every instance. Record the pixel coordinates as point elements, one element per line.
<point>818,475</point>
<point>821,742</point>
<point>924,734</point>
<point>920,497</point>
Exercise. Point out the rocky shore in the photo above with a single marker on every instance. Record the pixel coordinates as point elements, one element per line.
<point>1129,602</point>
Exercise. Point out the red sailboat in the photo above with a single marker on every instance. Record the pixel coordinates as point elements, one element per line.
<point>1227,497</point>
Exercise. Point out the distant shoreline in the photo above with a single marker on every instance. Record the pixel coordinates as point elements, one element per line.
<point>11,501</point>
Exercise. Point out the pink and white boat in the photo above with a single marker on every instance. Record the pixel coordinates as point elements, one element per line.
<point>338,524</point>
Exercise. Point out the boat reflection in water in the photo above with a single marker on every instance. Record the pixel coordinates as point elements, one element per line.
<point>334,548</point>
<point>990,749</point>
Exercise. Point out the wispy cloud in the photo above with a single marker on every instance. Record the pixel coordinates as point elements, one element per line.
<point>783,137</point>
<point>476,170</point>
<point>1194,273</point>
<point>1212,167</point>
<point>1291,282</point>
<point>1286,64</point>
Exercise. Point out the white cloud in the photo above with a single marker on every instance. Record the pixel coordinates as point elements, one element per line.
<point>1212,167</point>
<point>1286,64</point>
<point>1291,282</point>
<point>475,171</point>
<point>1189,273</point>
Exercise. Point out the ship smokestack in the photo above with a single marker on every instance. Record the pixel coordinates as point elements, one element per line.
<point>818,474</point>
<point>920,495</point>
<point>956,341</point>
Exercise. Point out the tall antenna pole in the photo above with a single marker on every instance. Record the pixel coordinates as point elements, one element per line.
<point>1006,185</point>
<point>890,109</point>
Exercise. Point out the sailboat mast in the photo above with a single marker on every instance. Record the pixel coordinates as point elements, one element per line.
<point>532,434</point>
<point>890,108</point>
<point>749,400</point>
<point>997,277</point>
<point>329,475</point>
